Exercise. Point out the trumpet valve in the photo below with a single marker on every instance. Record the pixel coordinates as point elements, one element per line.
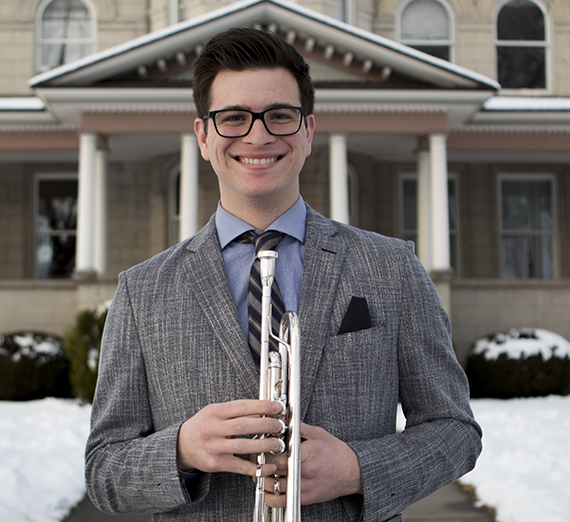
<point>281,449</point>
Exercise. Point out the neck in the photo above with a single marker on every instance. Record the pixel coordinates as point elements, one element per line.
<point>260,213</point>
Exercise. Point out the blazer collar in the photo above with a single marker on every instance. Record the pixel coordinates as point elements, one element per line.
<point>205,271</point>
<point>322,267</point>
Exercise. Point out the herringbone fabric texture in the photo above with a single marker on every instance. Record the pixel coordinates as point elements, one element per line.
<point>266,241</point>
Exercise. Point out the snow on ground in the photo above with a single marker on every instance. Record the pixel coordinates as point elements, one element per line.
<point>523,471</point>
<point>41,459</point>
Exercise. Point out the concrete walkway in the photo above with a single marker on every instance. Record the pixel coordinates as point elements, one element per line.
<point>449,504</point>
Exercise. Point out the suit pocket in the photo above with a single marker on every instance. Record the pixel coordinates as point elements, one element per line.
<point>356,382</point>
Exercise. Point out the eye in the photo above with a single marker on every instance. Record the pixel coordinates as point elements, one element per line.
<point>282,116</point>
<point>232,118</point>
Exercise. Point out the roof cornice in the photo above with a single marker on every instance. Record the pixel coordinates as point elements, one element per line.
<point>187,37</point>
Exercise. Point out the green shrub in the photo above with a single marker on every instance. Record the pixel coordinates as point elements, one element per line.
<point>519,363</point>
<point>82,345</point>
<point>32,366</point>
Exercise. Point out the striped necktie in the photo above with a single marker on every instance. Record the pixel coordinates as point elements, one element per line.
<point>266,241</point>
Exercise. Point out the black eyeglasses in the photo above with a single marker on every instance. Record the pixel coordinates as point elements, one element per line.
<point>236,123</point>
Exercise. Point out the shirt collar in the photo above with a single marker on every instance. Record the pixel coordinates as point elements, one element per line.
<point>292,223</point>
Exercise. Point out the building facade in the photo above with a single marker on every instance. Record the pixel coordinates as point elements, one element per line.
<point>444,122</point>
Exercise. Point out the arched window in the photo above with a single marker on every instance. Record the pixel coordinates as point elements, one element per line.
<point>65,32</point>
<point>426,25</point>
<point>521,46</point>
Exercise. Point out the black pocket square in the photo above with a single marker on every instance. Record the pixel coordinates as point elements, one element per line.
<point>357,316</point>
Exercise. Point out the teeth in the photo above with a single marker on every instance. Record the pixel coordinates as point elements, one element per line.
<point>256,161</point>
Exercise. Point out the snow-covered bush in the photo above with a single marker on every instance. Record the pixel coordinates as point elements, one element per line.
<point>32,366</point>
<point>521,362</point>
<point>82,345</point>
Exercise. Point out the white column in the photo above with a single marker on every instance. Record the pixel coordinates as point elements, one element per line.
<point>189,186</point>
<point>100,259</point>
<point>424,209</point>
<point>439,203</point>
<point>84,258</point>
<point>338,174</point>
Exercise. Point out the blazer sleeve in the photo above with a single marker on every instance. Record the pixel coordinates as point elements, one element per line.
<point>441,441</point>
<point>128,466</point>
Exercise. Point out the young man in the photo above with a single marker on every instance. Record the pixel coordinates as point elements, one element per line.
<point>176,408</point>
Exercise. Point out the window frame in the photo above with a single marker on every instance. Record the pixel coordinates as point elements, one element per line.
<point>451,43</point>
<point>38,178</point>
<point>546,45</point>
<point>526,176</point>
<point>39,41</point>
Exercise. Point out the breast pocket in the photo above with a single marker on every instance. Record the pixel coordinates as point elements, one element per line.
<point>357,379</point>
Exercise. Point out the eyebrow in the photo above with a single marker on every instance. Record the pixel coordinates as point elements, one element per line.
<point>267,108</point>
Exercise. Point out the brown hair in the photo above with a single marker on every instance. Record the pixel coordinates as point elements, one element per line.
<point>248,49</point>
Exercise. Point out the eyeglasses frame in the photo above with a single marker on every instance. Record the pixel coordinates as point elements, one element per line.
<point>256,116</point>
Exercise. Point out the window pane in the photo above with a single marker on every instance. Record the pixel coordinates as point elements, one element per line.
<point>439,51</point>
<point>425,20</point>
<point>56,225</point>
<point>57,204</point>
<point>520,20</point>
<point>66,33</point>
<point>521,67</point>
<point>55,256</point>
<point>66,19</point>
<point>527,205</point>
<point>524,257</point>
<point>60,53</point>
<point>452,199</point>
<point>410,204</point>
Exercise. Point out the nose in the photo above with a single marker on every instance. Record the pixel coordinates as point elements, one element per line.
<point>258,133</point>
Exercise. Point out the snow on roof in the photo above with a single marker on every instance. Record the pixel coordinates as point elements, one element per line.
<point>526,104</point>
<point>244,4</point>
<point>523,342</point>
<point>21,104</point>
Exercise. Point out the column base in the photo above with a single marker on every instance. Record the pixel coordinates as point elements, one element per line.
<point>85,275</point>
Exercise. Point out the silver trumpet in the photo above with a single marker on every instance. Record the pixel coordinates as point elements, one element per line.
<point>280,380</point>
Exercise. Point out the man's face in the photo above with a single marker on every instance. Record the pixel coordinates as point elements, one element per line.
<point>258,168</point>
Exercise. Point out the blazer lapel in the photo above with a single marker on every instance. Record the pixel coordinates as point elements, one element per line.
<point>206,273</point>
<point>322,268</point>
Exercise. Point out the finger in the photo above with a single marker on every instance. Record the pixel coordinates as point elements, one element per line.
<point>275,501</point>
<point>280,461</point>
<point>249,426</point>
<point>247,408</point>
<point>251,447</point>
<point>245,467</point>
<point>311,432</point>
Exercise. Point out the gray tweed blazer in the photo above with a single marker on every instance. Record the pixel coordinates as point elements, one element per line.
<point>173,344</point>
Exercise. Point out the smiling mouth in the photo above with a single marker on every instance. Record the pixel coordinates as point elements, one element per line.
<point>258,161</point>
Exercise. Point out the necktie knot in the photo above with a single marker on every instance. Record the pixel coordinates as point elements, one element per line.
<point>267,240</point>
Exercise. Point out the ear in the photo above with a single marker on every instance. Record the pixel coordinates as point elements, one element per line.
<point>200,130</point>
<point>310,131</point>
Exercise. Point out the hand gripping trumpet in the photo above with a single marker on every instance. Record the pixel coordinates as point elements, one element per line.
<point>280,380</point>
